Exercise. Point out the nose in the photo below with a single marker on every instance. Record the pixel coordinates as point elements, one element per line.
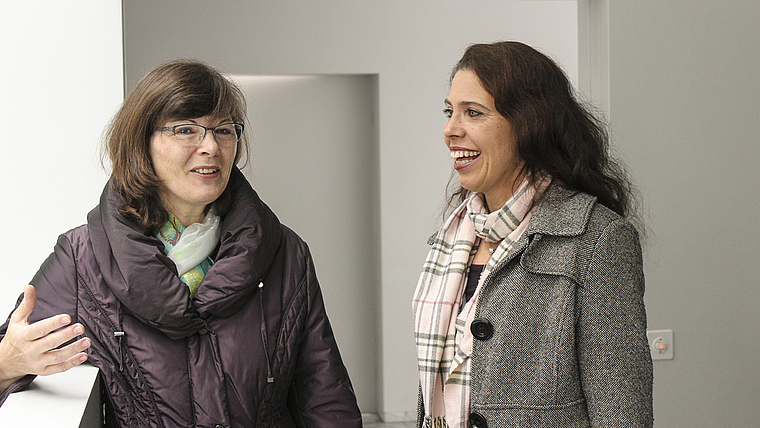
<point>452,128</point>
<point>208,144</point>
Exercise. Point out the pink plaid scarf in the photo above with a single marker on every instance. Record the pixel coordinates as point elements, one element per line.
<point>442,331</point>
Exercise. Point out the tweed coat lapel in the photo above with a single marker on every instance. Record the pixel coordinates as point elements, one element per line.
<point>560,213</point>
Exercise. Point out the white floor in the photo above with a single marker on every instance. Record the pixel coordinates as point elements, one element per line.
<point>372,421</point>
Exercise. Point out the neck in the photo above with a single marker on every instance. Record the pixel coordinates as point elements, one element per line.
<point>187,220</point>
<point>496,199</point>
<point>187,216</point>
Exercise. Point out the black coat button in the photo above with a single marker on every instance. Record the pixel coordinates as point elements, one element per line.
<point>481,328</point>
<point>202,331</point>
<point>477,420</point>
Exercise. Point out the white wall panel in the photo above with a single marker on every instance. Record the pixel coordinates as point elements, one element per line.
<point>61,79</point>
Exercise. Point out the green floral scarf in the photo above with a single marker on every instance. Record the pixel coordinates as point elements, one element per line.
<point>195,252</point>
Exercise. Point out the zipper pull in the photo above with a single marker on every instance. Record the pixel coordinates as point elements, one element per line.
<point>119,335</point>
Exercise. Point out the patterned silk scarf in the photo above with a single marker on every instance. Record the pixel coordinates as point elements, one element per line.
<point>442,331</point>
<point>190,247</point>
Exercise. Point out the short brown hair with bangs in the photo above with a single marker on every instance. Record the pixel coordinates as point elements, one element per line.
<point>183,89</point>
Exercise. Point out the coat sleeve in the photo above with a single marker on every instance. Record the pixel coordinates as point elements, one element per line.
<point>321,394</point>
<point>55,284</point>
<point>613,351</point>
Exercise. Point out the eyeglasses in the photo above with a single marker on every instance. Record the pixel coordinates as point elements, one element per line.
<point>191,134</point>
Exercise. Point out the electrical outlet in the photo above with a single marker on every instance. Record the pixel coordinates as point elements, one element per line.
<point>661,344</point>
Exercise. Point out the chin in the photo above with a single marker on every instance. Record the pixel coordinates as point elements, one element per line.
<point>209,195</point>
<point>467,186</point>
<point>206,201</point>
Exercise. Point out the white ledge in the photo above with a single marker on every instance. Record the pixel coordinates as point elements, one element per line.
<point>66,400</point>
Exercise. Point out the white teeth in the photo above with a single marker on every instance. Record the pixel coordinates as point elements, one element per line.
<point>206,171</point>
<point>463,153</point>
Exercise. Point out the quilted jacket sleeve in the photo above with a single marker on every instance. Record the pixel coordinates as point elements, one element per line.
<point>55,284</point>
<point>322,393</point>
<point>613,352</point>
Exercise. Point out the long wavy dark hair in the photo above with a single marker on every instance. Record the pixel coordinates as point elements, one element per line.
<point>556,134</point>
<point>182,89</point>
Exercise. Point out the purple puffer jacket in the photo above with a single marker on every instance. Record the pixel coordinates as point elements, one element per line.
<point>253,348</point>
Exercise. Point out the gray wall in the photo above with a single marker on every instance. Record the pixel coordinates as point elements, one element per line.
<point>685,111</point>
<point>317,169</point>
<point>410,46</point>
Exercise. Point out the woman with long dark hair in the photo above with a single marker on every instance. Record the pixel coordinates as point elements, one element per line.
<point>529,311</point>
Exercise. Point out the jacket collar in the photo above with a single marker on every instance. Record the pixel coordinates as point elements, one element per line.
<point>250,237</point>
<point>561,212</point>
<point>145,281</point>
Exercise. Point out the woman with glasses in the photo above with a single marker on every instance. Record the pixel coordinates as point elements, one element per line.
<point>529,311</point>
<point>196,304</point>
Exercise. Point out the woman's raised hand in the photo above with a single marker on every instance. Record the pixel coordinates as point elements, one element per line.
<point>32,349</point>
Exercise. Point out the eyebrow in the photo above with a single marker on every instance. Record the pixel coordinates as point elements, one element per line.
<point>467,104</point>
<point>193,121</point>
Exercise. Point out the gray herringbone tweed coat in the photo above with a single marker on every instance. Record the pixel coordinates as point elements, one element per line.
<point>567,325</point>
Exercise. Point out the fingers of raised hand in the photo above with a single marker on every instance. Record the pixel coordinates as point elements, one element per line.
<point>33,348</point>
<point>60,360</point>
<point>46,328</point>
<point>54,339</point>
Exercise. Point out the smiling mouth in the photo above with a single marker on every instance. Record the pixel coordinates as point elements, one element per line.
<point>206,171</point>
<point>462,157</point>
